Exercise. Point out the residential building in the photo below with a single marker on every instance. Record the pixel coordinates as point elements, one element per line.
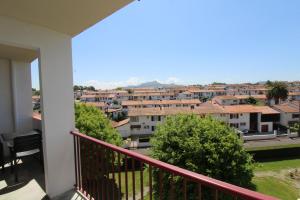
<point>289,112</point>
<point>126,105</point>
<point>257,119</point>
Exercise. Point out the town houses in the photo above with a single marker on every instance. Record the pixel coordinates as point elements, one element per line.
<point>136,112</point>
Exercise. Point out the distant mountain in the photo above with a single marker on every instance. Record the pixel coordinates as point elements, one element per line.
<point>153,84</point>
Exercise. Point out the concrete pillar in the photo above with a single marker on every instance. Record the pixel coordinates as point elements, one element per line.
<point>22,96</point>
<point>57,104</point>
<point>6,104</point>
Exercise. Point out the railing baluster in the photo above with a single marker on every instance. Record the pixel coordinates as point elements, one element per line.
<point>102,174</point>
<point>107,173</point>
<point>79,163</point>
<point>150,182</point>
<point>119,176</point>
<point>113,173</point>
<point>133,178</point>
<point>89,160</point>
<point>184,189</point>
<point>172,188</point>
<point>99,180</point>
<point>199,191</point>
<point>93,171</point>
<point>75,160</point>
<point>216,194</point>
<point>126,178</point>
<point>141,180</point>
<point>160,184</point>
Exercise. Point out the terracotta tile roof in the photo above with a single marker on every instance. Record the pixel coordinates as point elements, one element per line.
<point>227,97</point>
<point>203,91</point>
<point>160,102</point>
<point>120,123</point>
<point>294,94</point>
<point>205,108</point>
<point>248,109</point>
<point>97,104</point>
<point>289,107</point>
<point>37,116</point>
<point>254,96</point>
<point>88,96</point>
<point>153,94</point>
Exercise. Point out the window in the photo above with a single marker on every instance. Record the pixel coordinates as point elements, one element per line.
<point>146,127</point>
<point>144,140</point>
<point>295,116</point>
<point>135,126</point>
<point>152,128</point>
<point>234,116</point>
<point>243,124</point>
<point>223,115</point>
<point>235,125</point>
<point>155,118</point>
<point>134,119</point>
<point>241,114</point>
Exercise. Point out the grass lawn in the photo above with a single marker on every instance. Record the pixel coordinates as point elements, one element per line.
<point>130,183</point>
<point>271,179</point>
<point>271,184</point>
<point>277,165</point>
<point>276,187</point>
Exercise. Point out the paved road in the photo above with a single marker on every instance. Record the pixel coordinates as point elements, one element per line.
<point>272,142</point>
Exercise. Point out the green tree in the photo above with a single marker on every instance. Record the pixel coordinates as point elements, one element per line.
<point>202,145</point>
<point>252,100</point>
<point>91,121</point>
<point>76,87</point>
<point>277,91</point>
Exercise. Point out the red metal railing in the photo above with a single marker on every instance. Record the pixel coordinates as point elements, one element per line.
<point>103,172</point>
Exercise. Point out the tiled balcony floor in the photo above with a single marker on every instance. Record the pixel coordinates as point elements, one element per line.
<point>31,184</point>
<point>31,181</point>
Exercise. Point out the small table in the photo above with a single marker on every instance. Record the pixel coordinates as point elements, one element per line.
<point>8,138</point>
<point>7,141</point>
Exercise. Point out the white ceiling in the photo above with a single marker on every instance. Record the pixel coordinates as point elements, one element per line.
<point>66,16</point>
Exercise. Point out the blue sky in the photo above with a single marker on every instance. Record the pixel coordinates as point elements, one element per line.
<point>188,42</point>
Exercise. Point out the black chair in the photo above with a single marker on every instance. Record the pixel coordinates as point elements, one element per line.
<point>24,146</point>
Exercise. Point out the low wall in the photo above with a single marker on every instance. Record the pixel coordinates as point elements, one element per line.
<point>259,137</point>
<point>36,122</point>
<point>275,154</point>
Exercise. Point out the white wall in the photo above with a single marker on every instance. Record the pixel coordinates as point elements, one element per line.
<point>56,78</point>
<point>6,103</point>
<point>22,96</point>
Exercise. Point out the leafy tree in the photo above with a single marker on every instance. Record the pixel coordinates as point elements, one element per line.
<point>252,100</point>
<point>296,128</point>
<point>35,92</point>
<point>76,88</point>
<point>202,145</point>
<point>79,87</point>
<point>268,83</point>
<point>91,121</point>
<point>91,88</point>
<point>130,91</point>
<point>218,83</point>
<point>277,91</point>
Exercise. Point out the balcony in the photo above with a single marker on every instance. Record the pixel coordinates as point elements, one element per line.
<point>105,171</point>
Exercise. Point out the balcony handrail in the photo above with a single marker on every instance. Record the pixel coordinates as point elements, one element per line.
<point>204,180</point>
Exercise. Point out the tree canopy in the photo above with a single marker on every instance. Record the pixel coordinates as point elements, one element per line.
<point>202,145</point>
<point>79,87</point>
<point>277,91</point>
<point>91,121</point>
<point>252,100</point>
